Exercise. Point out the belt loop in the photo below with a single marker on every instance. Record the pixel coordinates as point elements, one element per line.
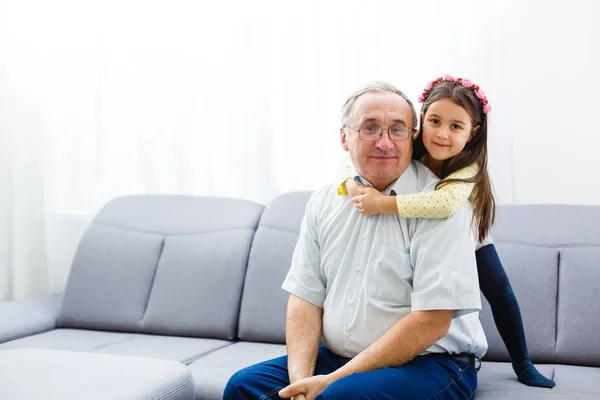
<point>477,366</point>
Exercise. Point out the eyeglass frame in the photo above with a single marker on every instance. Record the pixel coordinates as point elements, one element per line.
<point>409,131</point>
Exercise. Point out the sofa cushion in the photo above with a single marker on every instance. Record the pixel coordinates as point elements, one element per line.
<point>212,371</point>
<point>499,377</point>
<point>110,279</point>
<point>51,374</point>
<point>68,339</point>
<point>577,339</point>
<point>263,309</point>
<point>181,349</point>
<point>198,285</point>
<point>159,264</point>
<point>547,224</point>
<point>525,265</point>
<point>537,299</point>
<point>578,380</point>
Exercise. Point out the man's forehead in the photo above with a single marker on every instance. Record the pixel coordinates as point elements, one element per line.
<point>375,105</point>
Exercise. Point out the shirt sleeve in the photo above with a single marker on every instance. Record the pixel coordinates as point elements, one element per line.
<point>304,279</point>
<point>440,203</point>
<point>442,253</point>
<point>345,170</point>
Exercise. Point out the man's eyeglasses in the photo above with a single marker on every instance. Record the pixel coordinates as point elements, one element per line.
<point>372,133</point>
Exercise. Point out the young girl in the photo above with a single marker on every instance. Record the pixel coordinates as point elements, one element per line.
<point>452,143</point>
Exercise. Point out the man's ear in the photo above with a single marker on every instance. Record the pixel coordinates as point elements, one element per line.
<point>473,132</point>
<point>343,138</point>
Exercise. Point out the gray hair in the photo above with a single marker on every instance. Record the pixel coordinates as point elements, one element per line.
<point>375,87</point>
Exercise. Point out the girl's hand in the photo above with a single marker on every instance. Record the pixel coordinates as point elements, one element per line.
<point>368,201</point>
<point>352,187</point>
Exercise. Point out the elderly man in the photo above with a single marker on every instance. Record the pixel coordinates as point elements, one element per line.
<point>395,300</point>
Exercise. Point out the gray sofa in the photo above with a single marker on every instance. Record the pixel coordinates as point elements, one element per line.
<point>196,280</point>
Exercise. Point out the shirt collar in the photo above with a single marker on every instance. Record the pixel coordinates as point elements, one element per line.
<point>405,184</point>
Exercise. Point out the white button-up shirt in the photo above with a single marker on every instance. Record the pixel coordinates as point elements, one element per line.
<point>367,273</point>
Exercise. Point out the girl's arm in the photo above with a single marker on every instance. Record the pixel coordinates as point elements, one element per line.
<point>440,203</point>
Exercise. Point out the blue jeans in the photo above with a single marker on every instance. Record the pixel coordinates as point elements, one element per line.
<point>434,376</point>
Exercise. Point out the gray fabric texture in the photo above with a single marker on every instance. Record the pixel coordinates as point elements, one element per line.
<point>548,225</point>
<point>195,273</point>
<point>69,340</point>
<point>212,372</point>
<point>263,308</point>
<point>179,215</point>
<point>578,380</point>
<point>110,280</point>
<point>49,374</point>
<point>22,318</point>
<point>158,264</point>
<point>181,349</point>
<point>577,339</point>
<point>537,300</point>
<point>497,381</point>
<point>500,377</point>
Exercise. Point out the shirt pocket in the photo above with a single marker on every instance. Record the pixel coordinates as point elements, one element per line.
<point>389,276</point>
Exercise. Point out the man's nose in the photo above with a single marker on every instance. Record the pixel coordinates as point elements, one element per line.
<point>384,143</point>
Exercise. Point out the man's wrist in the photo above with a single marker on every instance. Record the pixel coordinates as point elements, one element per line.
<point>298,376</point>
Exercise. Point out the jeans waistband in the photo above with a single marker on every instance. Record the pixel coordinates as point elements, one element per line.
<point>469,358</point>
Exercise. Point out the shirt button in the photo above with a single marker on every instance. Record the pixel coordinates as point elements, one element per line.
<point>351,302</point>
<point>347,334</point>
<point>356,269</point>
<point>364,236</point>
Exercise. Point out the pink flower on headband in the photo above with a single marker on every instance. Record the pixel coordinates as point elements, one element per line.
<point>480,94</point>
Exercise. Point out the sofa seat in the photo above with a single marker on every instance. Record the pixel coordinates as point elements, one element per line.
<point>211,372</point>
<point>65,375</point>
<point>181,349</point>
<point>497,381</point>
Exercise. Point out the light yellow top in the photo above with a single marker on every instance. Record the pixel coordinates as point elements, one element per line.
<point>440,203</point>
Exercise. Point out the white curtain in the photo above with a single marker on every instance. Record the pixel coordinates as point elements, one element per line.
<point>105,98</point>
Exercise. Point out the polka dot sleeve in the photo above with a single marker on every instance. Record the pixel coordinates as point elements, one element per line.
<point>441,203</point>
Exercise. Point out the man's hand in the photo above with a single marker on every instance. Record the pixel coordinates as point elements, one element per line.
<point>368,200</point>
<point>309,388</point>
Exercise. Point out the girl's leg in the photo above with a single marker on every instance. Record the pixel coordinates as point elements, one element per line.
<point>496,288</point>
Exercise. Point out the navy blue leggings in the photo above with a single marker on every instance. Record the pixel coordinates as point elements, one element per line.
<point>496,288</point>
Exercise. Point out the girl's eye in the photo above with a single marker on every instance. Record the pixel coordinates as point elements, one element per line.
<point>456,126</point>
<point>435,121</point>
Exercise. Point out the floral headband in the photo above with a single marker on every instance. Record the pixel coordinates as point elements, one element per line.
<point>465,82</point>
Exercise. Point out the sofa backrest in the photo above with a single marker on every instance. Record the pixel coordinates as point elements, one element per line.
<point>262,313</point>
<point>171,265</point>
<point>550,252</point>
<point>552,256</point>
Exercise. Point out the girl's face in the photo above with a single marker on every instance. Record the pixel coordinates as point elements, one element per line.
<point>447,128</point>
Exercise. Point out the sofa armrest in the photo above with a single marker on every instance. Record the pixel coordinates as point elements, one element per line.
<point>22,318</point>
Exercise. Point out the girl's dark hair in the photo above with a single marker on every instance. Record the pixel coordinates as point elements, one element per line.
<point>475,151</point>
